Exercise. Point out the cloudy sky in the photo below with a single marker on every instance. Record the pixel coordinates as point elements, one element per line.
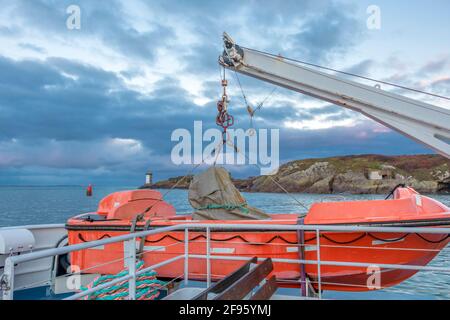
<point>98,105</point>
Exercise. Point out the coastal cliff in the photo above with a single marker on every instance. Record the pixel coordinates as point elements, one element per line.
<point>365,174</point>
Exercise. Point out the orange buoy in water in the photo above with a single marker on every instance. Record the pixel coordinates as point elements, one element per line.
<point>89,191</point>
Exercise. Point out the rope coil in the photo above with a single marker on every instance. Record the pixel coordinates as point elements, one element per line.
<point>242,207</point>
<point>147,286</point>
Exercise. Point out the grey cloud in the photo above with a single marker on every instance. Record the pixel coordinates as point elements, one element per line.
<point>77,114</point>
<point>362,68</point>
<point>32,47</point>
<point>104,21</point>
<point>9,32</point>
<point>342,141</point>
<point>58,117</point>
<point>433,66</point>
<point>334,30</point>
<point>321,29</point>
<point>441,86</point>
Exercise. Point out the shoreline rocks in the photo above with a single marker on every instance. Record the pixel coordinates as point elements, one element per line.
<point>365,174</point>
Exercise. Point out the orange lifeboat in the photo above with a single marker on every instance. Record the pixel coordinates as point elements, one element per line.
<point>116,215</point>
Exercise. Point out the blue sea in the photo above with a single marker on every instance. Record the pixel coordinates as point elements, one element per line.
<point>43,205</point>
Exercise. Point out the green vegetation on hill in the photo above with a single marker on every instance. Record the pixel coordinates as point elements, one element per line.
<point>421,167</point>
<point>348,174</point>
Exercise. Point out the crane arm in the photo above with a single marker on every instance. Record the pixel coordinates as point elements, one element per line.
<point>423,122</point>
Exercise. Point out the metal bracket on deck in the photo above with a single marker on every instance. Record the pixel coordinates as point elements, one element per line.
<point>310,291</point>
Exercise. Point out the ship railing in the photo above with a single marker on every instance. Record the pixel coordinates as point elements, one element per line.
<point>130,255</point>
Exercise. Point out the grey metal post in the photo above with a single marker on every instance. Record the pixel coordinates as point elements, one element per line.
<point>130,261</point>
<point>318,263</point>
<point>186,256</point>
<point>208,257</point>
<point>7,280</point>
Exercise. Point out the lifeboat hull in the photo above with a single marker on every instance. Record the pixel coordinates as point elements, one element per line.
<point>358,247</point>
<point>370,248</point>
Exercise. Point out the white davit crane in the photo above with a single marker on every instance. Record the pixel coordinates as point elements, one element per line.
<point>420,121</point>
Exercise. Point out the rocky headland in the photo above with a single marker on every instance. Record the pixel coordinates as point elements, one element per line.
<point>364,174</point>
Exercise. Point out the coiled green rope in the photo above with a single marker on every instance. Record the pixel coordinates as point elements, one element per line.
<point>147,286</point>
<point>242,207</point>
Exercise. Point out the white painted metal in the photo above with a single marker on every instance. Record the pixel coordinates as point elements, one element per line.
<point>65,284</point>
<point>202,226</point>
<point>12,261</point>
<point>186,256</point>
<point>130,262</point>
<point>154,248</point>
<point>426,123</point>
<point>227,250</point>
<point>99,287</point>
<point>16,241</point>
<point>36,273</point>
<point>330,263</point>
<point>283,227</point>
<point>184,294</point>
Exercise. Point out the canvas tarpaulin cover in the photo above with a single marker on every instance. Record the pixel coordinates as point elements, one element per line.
<point>214,197</point>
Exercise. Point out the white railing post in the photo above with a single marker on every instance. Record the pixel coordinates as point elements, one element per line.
<point>130,262</point>
<point>7,280</point>
<point>208,257</point>
<point>318,263</point>
<point>186,256</point>
<point>129,246</point>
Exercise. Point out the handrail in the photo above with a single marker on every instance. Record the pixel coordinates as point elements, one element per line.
<point>36,226</point>
<point>332,263</point>
<point>208,227</point>
<point>337,228</point>
<point>192,226</point>
<point>91,244</point>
